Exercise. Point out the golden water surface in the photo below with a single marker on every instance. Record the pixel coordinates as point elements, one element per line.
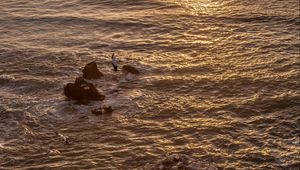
<point>219,81</point>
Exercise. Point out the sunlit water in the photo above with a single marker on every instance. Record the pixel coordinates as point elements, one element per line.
<point>220,82</point>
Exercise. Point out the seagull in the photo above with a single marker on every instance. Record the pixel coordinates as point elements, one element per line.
<point>114,62</point>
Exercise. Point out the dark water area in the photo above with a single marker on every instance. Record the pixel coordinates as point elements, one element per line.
<point>219,81</point>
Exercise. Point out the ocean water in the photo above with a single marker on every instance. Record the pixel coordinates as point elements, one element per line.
<point>219,81</point>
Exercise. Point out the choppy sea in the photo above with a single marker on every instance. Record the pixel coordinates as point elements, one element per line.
<point>219,81</point>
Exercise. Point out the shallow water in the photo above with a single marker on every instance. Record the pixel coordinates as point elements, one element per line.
<point>220,81</point>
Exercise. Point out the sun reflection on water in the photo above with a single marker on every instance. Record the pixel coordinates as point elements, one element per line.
<point>196,7</point>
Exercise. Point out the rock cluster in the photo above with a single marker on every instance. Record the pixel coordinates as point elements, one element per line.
<point>82,91</point>
<point>180,162</point>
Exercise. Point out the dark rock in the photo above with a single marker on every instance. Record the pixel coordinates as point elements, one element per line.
<point>91,71</point>
<point>130,69</point>
<point>97,111</point>
<point>82,91</point>
<point>102,111</point>
<point>108,110</point>
<point>80,80</point>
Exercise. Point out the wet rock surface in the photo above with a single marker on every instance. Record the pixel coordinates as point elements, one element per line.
<point>91,71</point>
<point>130,69</point>
<point>180,162</point>
<point>82,91</point>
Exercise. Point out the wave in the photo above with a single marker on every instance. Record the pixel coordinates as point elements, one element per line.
<point>21,85</point>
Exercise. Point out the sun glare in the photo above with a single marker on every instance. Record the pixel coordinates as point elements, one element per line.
<point>208,7</point>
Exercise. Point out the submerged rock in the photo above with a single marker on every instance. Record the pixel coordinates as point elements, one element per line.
<point>180,161</point>
<point>90,71</point>
<point>103,111</point>
<point>130,69</point>
<point>82,91</point>
<point>108,110</point>
<point>97,112</point>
